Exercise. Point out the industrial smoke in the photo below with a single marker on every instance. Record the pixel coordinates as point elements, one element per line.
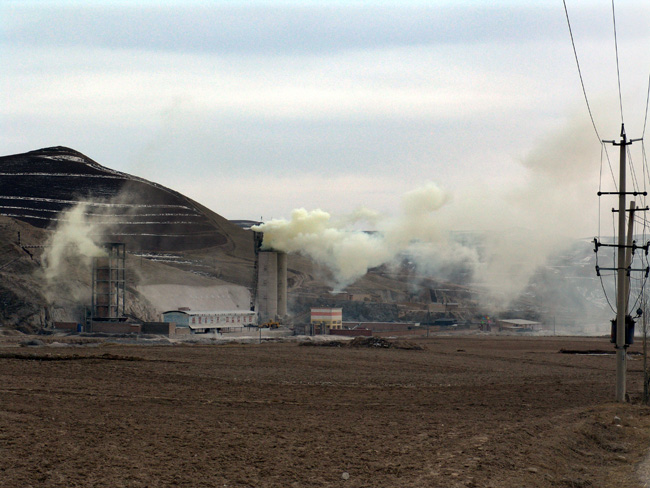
<point>73,238</point>
<point>68,255</point>
<point>349,253</point>
<point>508,232</point>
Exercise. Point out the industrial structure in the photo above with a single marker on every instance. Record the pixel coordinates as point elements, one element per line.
<point>210,321</point>
<point>107,313</point>
<point>325,319</point>
<point>519,325</point>
<point>108,284</point>
<point>269,295</point>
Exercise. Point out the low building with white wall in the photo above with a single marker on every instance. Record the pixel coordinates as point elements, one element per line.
<point>519,325</point>
<point>200,321</point>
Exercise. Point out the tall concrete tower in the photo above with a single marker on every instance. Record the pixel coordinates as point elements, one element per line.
<point>271,285</point>
<point>267,286</point>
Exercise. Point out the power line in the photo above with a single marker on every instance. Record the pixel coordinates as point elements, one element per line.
<point>618,71</point>
<point>584,91</point>
<point>647,99</point>
<point>575,54</point>
<point>635,181</point>
<point>609,163</point>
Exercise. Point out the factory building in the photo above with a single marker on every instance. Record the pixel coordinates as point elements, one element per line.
<point>325,319</point>
<point>208,321</point>
<point>271,285</point>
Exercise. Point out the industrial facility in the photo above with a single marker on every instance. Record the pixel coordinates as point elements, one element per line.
<point>108,299</point>
<point>210,321</point>
<point>323,320</point>
<point>108,283</point>
<point>107,312</point>
<point>270,294</point>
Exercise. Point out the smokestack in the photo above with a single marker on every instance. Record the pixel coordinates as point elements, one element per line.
<point>267,286</point>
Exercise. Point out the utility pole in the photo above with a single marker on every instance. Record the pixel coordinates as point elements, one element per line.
<point>625,249</point>
<point>621,300</point>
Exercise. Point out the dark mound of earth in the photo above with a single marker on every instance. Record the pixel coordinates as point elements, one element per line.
<point>37,186</point>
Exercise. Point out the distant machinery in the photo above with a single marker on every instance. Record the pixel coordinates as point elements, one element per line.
<point>108,284</point>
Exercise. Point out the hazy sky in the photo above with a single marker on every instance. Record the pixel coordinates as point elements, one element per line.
<point>255,108</point>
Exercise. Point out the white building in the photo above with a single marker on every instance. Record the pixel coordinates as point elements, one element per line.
<point>206,321</point>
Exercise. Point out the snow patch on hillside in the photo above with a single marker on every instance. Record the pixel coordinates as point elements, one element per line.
<point>218,297</point>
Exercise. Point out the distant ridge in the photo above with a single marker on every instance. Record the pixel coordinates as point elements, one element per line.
<point>37,186</point>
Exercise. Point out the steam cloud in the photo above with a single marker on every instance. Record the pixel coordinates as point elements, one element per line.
<point>68,255</point>
<point>73,239</point>
<point>350,253</point>
<point>512,230</point>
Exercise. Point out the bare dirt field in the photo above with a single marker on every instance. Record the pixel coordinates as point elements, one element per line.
<point>465,411</point>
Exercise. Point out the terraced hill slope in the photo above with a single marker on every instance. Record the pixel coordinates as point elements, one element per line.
<point>37,186</point>
<point>171,241</point>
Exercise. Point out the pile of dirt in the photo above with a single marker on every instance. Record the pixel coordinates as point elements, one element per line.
<point>324,344</point>
<point>67,357</point>
<point>367,342</point>
<point>595,352</point>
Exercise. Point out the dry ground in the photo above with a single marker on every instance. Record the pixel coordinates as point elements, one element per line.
<point>465,411</point>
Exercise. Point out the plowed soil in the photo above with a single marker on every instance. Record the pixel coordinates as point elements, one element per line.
<point>463,411</point>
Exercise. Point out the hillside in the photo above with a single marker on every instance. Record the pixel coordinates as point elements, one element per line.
<point>180,253</point>
<point>170,239</point>
<point>37,186</point>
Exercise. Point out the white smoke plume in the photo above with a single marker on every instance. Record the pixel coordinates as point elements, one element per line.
<point>510,231</point>
<point>350,253</point>
<point>73,238</point>
<point>68,255</point>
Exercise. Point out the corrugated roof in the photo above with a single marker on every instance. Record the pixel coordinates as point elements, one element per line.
<point>210,312</point>
<point>225,325</point>
<point>519,322</point>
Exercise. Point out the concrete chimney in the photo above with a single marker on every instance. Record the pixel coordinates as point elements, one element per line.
<point>267,286</point>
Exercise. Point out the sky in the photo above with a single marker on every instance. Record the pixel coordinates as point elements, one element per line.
<point>257,108</point>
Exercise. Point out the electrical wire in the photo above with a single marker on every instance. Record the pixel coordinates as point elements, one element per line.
<point>644,200</point>
<point>600,188</point>
<point>618,71</point>
<point>603,147</point>
<point>635,181</point>
<point>609,162</point>
<point>644,257</point>
<point>582,83</point>
<point>602,285</point>
<point>647,100</point>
